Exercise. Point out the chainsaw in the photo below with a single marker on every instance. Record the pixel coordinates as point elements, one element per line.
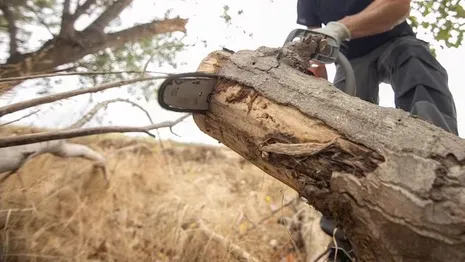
<point>191,92</point>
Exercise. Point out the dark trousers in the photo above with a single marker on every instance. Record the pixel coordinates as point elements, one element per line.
<point>419,82</point>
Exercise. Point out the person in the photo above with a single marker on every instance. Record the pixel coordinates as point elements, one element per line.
<point>381,47</point>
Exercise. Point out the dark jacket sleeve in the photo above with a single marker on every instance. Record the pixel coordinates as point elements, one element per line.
<point>307,13</point>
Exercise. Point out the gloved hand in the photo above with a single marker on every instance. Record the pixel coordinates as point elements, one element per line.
<point>336,30</point>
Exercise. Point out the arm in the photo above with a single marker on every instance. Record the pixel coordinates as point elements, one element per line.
<point>379,17</point>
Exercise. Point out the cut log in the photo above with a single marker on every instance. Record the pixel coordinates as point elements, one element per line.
<point>394,182</point>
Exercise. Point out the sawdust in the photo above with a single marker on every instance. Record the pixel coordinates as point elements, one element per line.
<point>240,95</point>
<point>223,85</point>
<point>298,54</point>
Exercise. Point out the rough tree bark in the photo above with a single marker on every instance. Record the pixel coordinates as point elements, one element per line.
<point>394,182</point>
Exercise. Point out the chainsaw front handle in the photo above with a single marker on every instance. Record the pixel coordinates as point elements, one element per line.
<point>350,86</point>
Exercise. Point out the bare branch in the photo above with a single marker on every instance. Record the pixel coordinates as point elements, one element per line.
<point>80,10</point>
<point>81,122</point>
<point>16,157</point>
<point>108,15</point>
<point>66,8</point>
<point>144,70</point>
<point>22,78</point>
<point>21,118</point>
<point>12,30</point>
<point>55,97</point>
<point>66,24</point>
<point>13,164</point>
<point>40,19</point>
<point>72,133</point>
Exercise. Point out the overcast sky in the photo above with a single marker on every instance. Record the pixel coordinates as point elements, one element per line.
<point>268,21</point>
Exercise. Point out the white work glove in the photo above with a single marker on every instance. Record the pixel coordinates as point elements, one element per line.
<point>336,30</point>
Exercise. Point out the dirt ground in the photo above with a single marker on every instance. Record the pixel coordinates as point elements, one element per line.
<point>157,191</point>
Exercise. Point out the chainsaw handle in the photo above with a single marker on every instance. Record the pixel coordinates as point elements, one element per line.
<point>350,86</point>
<point>299,32</point>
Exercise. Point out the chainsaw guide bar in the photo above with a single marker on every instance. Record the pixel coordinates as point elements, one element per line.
<point>187,92</point>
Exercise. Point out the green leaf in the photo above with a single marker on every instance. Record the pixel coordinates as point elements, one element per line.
<point>443,34</point>
<point>460,11</point>
<point>443,19</point>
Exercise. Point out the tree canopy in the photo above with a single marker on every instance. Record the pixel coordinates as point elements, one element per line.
<point>444,19</point>
<point>84,35</point>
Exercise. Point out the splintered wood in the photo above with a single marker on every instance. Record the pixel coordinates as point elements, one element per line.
<point>395,183</point>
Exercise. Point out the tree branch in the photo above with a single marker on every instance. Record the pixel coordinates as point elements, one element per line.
<point>16,157</point>
<point>72,133</point>
<point>67,27</point>
<point>108,15</point>
<point>22,78</point>
<point>80,10</point>
<point>12,30</point>
<point>146,30</point>
<point>55,97</point>
<point>66,7</point>
<point>40,19</point>
<point>21,118</point>
<point>81,122</point>
<point>48,58</point>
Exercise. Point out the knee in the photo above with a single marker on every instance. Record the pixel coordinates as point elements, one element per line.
<point>430,113</point>
<point>413,66</point>
<point>416,57</point>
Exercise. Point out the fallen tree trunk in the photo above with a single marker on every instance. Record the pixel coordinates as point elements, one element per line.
<point>394,182</point>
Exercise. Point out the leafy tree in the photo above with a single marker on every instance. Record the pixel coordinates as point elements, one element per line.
<point>95,46</point>
<point>445,19</point>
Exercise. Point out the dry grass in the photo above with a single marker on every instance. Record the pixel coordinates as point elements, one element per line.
<point>65,213</point>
